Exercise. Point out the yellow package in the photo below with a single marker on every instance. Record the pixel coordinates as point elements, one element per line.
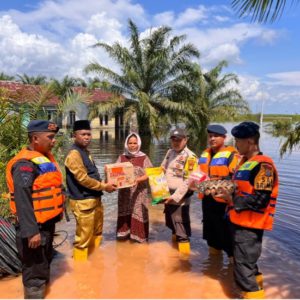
<point>158,184</point>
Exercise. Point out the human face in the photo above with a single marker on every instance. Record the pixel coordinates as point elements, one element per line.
<point>243,145</point>
<point>82,138</point>
<point>132,144</point>
<point>216,141</point>
<point>178,143</point>
<point>43,142</point>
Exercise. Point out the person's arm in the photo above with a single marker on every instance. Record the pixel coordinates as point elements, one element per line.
<point>75,165</point>
<point>147,164</point>
<point>24,174</point>
<point>263,180</point>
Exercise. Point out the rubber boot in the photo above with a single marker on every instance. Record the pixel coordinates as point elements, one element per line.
<point>35,292</point>
<point>254,295</point>
<point>214,251</point>
<point>97,240</point>
<point>184,247</point>
<point>80,254</point>
<point>260,280</point>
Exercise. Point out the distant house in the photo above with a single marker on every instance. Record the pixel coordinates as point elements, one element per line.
<point>25,93</point>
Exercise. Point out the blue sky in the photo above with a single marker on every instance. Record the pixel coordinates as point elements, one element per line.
<point>52,38</point>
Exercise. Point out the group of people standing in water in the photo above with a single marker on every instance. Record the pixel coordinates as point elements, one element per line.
<point>232,222</point>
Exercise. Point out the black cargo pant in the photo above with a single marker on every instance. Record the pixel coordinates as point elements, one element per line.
<point>216,227</point>
<point>178,220</point>
<point>36,262</point>
<point>247,245</point>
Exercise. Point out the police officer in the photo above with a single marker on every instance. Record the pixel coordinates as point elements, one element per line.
<point>252,207</point>
<point>85,189</point>
<point>35,185</point>
<point>178,163</point>
<point>218,162</point>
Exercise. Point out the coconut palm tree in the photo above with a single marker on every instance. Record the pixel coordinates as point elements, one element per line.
<point>216,97</point>
<point>154,78</point>
<point>261,10</point>
<point>38,80</point>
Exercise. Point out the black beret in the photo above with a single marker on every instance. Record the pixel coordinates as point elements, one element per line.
<point>245,130</point>
<point>42,126</point>
<point>218,129</point>
<point>178,133</point>
<point>82,125</point>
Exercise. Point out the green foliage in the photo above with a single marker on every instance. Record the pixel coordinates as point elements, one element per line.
<point>261,10</point>
<point>292,140</point>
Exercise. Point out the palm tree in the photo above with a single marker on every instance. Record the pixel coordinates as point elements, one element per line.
<point>64,87</point>
<point>38,80</point>
<point>216,97</point>
<point>154,77</point>
<point>6,77</point>
<point>261,10</point>
<point>292,140</point>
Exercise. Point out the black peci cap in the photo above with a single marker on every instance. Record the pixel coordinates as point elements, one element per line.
<point>245,130</point>
<point>215,128</point>
<point>82,125</point>
<point>42,126</point>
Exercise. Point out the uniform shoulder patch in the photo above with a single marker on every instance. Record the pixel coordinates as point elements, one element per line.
<point>265,178</point>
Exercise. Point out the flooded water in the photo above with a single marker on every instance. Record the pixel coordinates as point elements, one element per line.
<point>156,269</point>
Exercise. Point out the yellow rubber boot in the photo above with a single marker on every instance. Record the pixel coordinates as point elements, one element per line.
<point>254,295</point>
<point>260,280</point>
<point>214,251</point>
<point>97,240</point>
<point>184,248</point>
<point>80,254</point>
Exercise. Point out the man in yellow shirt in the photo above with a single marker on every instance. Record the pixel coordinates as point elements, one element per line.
<point>85,189</point>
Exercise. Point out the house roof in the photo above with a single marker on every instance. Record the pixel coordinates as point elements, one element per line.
<point>22,93</point>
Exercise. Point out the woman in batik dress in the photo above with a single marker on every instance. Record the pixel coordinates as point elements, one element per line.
<point>133,216</point>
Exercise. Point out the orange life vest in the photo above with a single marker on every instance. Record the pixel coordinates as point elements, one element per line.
<point>262,219</point>
<point>47,197</point>
<point>218,166</point>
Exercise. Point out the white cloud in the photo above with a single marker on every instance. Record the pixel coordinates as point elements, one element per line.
<point>286,78</point>
<point>191,16</point>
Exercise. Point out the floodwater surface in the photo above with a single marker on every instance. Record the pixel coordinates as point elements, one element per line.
<point>156,269</point>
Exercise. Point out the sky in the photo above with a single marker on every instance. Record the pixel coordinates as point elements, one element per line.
<point>54,38</point>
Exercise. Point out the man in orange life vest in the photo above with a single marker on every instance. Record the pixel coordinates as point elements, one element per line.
<point>35,184</point>
<point>219,162</point>
<point>252,207</point>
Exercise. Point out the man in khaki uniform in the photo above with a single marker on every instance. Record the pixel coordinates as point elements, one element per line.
<point>85,188</point>
<point>178,163</point>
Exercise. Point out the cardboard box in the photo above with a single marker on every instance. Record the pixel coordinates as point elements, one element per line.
<point>120,174</point>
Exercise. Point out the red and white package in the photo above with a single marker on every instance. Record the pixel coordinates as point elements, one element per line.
<point>195,179</point>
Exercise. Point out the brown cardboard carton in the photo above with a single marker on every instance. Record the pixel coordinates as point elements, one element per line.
<point>120,174</point>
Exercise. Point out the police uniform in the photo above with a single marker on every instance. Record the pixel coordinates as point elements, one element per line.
<point>37,209</point>
<point>252,212</point>
<point>217,165</point>
<point>177,166</point>
<point>84,187</point>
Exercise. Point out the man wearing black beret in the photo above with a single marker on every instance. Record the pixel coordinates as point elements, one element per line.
<point>35,183</point>
<point>252,207</point>
<point>85,189</point>
<point>218,162</point>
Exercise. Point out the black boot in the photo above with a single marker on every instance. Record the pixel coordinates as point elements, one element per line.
<point>35,292</point>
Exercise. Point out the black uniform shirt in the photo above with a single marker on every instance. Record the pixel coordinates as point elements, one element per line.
<point>24,173</point>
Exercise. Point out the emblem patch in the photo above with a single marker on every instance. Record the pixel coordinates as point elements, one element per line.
<point>265,178</point>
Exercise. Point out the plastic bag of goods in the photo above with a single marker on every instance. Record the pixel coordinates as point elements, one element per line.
<point>158,184</point>
<point>195,179</point>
